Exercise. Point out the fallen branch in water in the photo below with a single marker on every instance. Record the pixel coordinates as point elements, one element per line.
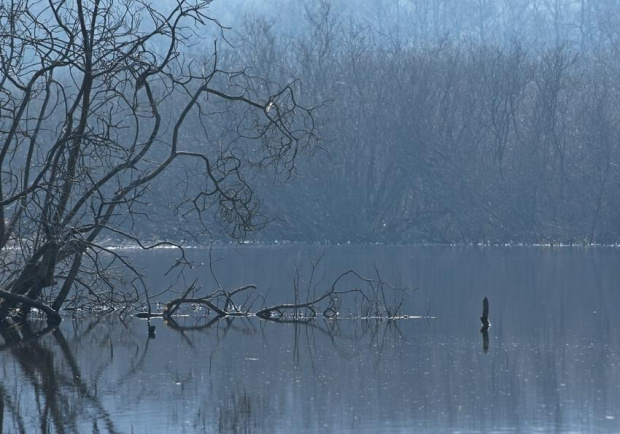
<point>52,316</point>
<point>222,303</point>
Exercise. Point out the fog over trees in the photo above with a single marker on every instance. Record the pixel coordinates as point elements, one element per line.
<point>581,24</point>
<point>448,121</point>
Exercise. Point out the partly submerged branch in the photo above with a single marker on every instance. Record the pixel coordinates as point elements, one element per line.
<point>222,303</point>
<point>52,316</point>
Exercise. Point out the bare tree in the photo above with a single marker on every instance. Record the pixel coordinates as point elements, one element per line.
<point>98,99</point>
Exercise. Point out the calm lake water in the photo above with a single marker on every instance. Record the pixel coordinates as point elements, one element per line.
<point>552,365</point>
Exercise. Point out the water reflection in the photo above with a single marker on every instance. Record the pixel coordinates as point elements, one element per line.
<point>47,393</point>
<point>484,331</point>
<point>62,385</point>
<point>548,363</point>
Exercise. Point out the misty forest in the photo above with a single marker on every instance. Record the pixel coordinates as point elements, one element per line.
<point>288,216</point>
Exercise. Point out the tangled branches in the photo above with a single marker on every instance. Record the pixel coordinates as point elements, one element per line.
<point>370,296</point>
<point>99,100</point>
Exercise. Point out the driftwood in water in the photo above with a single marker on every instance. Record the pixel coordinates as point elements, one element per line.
<point>222,304</point>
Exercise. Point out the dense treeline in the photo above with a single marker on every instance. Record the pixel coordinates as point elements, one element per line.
<point>448,142</point>
<point>442,140</point>
<point>584,25</point>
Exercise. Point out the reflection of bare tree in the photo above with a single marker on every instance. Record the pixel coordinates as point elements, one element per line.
<point>241,412</point>
<point>62,397</point>
<point>66,393</point>
<point>9,404</point>
<point>485,339</point>
<point>375,331</point>
<point>238,408</point>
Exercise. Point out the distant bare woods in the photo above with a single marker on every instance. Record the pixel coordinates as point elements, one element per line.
<point>451,141</point>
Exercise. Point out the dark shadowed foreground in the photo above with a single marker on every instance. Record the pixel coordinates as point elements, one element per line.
<point>551,364</point>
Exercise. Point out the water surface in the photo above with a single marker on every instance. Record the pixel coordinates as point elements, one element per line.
<point>552,363</point>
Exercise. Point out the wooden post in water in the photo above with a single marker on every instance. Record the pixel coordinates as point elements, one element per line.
<point>485,314</point>
<point>485,324</point>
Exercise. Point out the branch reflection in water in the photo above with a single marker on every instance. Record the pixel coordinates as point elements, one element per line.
<point>110,376</point>
<point>43,390</point>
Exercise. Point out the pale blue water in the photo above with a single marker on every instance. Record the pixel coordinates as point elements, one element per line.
<point>553,363</point>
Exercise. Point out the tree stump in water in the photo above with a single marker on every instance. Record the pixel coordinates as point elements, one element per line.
<point>485,324</point>
<point>485,314</point>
